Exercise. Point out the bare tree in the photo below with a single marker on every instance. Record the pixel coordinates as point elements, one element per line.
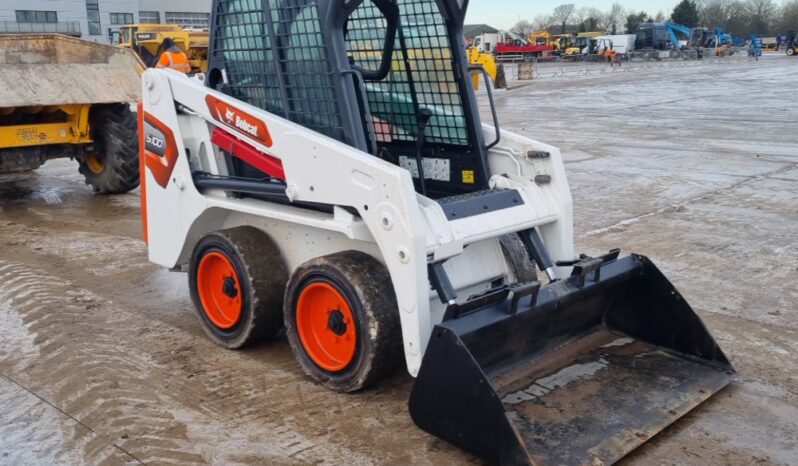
<point>581,14</point>
<point>761,14</point>
<point>788,17</point>
<point>594,19</point>
<point>613,19</point>
<point>541,22</point>
<point>523,28</point>
<point>562,14</point>
<point>731,15</point>
<point>738,20</point>
<point>714,12</point>
<point>660,16</point>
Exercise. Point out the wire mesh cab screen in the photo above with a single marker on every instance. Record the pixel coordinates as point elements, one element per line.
<point>276,59</point>
<point>422,76</point>
<point>276,55</point>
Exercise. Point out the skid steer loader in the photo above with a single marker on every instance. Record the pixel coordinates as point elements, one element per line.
<point>332,178</point>
<point>66,97</point>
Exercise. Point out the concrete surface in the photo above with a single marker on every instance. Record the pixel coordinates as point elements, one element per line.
<point>102,360</point>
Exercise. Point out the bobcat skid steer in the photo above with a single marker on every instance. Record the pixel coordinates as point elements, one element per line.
<point>332,178</point>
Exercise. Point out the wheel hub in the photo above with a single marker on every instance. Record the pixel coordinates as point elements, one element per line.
<point>95,164</point>
<point>335,322</point>
<point>217,286</point>
<point>229,287</point>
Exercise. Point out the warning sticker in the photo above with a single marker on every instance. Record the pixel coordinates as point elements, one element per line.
<point>468,177</point>
<point>28,134</point>
<point>434,169</point>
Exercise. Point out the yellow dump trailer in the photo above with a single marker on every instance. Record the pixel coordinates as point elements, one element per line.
<point>65,97</point>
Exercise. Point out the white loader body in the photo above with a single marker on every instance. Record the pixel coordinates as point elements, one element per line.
<point>377,209</point>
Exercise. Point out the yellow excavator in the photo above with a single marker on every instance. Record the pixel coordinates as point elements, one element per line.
<point>562,42</point>
<point>542,37</point>
<point>488,62</point>
<point>146,40</point>
<point>583,42</point>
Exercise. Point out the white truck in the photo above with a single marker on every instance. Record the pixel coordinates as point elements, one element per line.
<point>622,44</point>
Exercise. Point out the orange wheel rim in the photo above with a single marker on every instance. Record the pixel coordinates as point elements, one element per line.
<point>326,326</point>
<point>219,290</point>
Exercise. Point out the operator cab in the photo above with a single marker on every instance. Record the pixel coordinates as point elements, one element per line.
<point>422,96</point>
<point>389,77</point>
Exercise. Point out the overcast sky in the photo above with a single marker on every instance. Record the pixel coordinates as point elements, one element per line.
<point>505,13</point>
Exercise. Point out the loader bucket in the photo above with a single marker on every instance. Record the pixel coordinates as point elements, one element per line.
<point>53,70</point>
<point>582,372</point>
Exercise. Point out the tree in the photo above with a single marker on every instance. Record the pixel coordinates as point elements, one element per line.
<point>541,22</point>
<point>761,14</point>
<point>686,13</point>
<point>613,18</point>
<point>523,28</point>
<point>581,14</point>
<point>660,16</point>
<point>594,18</point>
<point>789,17</point>
<point>562,14</point>
<point>633,21</point>
<point>738,21</point>
<point>731,15</point>
<point>713,13</point>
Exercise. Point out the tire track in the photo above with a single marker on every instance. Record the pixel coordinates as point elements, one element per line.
<point>35,425</point>
<point>75,369</point>
<point>234,393</point>
<point>679,205</point>
<point>83,363</point>
<point>247,407</point>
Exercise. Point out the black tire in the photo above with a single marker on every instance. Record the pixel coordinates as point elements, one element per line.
<point>262,279</point>
<point>366,285</point>
<point>790,52</point>
<point>21,160</point>
<point>112,166</point>
<point>517,256</point>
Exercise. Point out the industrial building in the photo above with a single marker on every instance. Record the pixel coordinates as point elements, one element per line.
<point>97,20</point>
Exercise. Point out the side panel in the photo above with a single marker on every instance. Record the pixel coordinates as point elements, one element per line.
<point>381,193</point>
<point>167,175</point>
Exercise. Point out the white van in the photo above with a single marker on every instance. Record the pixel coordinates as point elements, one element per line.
<point>621,43</point>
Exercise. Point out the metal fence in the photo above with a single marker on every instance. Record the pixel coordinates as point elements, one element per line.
<point>70,28</point>
<point>517,68</point>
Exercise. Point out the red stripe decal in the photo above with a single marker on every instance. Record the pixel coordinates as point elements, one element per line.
<point>272,166</point>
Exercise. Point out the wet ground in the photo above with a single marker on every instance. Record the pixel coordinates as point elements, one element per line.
<point>102,360</point>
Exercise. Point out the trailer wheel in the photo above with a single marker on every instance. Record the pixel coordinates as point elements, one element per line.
<point>517,256</point>
<point>112,166</point>
<point>790,51</point>
<point>21,160</point>
<point>237,279</point>
<point>342,320</point>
